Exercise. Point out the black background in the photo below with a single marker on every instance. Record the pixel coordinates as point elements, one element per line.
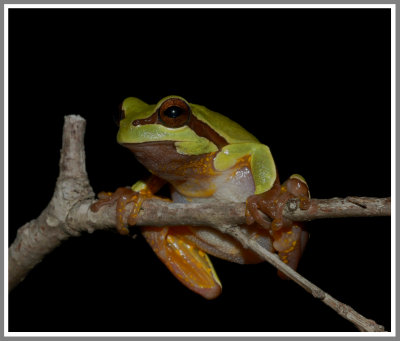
<point>314,85</point>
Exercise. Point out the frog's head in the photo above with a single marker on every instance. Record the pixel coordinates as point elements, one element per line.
<point>171,120</point>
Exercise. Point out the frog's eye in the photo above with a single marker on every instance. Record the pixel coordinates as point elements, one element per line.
<point>174,112</point>
<point>119,115</point>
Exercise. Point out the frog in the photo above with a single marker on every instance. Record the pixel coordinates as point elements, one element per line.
<point>205,157</point>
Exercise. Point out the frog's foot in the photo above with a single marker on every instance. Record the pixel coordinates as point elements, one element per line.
<point>189,264</point>
<point>290,243</point>
<point>270,203</point>
<point>273,202</point>
<point>123,196</point>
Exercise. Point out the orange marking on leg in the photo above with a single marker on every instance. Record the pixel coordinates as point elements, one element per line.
<point>187,262</point>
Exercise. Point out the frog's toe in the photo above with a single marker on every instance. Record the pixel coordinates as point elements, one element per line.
<point>122,196</point>
<point>267,208</point>
<point>305,203</point>
<point>253,213</point>
<point>105,198</point>
<point>277,224</point>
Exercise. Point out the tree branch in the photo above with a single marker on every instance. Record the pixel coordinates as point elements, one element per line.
<point>68,214</point>
<point>42,235</point>
<point>162,213</point>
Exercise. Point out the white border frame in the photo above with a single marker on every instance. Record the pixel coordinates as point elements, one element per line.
<point>199,334</point>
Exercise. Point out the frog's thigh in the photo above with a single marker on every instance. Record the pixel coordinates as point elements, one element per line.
<point>225,247</point>
<point>186,261</point>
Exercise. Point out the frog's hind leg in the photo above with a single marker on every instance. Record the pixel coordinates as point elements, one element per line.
<point>290,243</point>
<point>187,262</point>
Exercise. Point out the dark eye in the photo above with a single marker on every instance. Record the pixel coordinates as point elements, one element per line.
<point>174,112</point>
<point>119,115</point>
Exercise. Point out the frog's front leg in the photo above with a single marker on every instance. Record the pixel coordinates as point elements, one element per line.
<point>139,192</point>
<point>273,202</point>
<point>289,238</point>
<point>188,263</point>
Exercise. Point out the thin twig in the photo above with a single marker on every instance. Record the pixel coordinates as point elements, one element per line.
<point>363,324</point>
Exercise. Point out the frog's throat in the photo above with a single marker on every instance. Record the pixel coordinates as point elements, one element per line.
<point>162,159</point>
<point>154,154</point>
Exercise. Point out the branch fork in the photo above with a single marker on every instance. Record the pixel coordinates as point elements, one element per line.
<point>68,214</point>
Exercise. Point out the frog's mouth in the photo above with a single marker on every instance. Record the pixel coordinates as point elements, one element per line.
<point>151,146</point>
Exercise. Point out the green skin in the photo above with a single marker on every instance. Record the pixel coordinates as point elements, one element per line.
<point>218,152</point>
<point>187,142</point>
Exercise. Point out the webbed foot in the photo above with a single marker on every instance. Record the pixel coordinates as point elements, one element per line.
<point>123,196</point>
<point>273,202</point>
<point>288,237</point>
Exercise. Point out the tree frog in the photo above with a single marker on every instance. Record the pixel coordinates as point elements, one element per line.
<point>205,157</point>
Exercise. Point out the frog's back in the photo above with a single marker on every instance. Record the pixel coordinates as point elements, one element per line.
<point>231,131</point>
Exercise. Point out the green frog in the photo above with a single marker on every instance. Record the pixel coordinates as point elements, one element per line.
<point>205,157</point>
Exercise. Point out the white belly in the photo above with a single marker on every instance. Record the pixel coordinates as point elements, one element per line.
<point>233,187</point>
<point>236,187</point>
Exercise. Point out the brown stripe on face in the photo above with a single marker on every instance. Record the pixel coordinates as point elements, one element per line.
<point>203,130</point>
<point>199,127</point>
<point>149,120</point>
